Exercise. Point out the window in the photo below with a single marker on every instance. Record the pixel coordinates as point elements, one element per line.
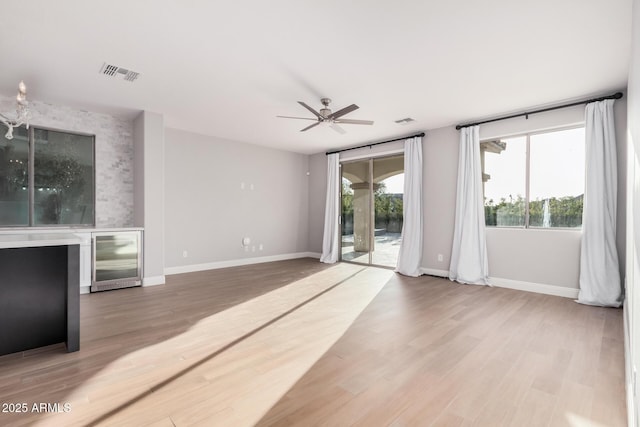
<point>57,190</point>
<point>534,180</point>
<point>14,178</point>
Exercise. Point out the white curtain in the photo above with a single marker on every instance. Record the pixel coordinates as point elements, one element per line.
<point>599,274</point>
<point>410,255</point>
<point>331,237</point>
<point>469,263</point>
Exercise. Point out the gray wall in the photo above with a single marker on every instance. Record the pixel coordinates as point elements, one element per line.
<point>620,112</point>
<point>377,150</point>
<point>632,303</point>
<point>114,155</point>
<point>317,198</point>
<point>208,213</point>
<point>149,187</point>
<point>440,165</point>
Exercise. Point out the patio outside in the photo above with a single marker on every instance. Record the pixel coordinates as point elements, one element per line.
<point>385,251</point>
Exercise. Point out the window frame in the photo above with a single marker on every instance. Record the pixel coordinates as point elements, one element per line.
<point>527,136</point>
<point>31,181</point>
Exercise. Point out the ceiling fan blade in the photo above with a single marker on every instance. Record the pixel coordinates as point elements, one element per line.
<point>311,109</point>
<point>309,127</point>
<point>355,122</point>
<point>338,129</point>
<point>299,118</point>
<point>342,112</point>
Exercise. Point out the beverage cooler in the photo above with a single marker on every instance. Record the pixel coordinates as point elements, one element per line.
<point>117,260</point>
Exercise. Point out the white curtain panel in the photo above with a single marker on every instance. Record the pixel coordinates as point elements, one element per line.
<point>599,274</point>
<point>469,262</point>
<point>410,255</point>
<point>331,237</point>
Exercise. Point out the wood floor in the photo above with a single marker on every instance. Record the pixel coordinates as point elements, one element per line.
<point>302,343</point>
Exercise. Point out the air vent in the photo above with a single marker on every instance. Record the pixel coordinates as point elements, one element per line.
<point>115,71</point>
<point>405,121</point>
<point>109,70</point>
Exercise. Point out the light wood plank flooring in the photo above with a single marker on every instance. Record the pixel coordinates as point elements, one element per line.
<point>302,343</point>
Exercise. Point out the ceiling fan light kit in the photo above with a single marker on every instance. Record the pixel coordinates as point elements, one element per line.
<point>23,114</point>
<point>325,116</point>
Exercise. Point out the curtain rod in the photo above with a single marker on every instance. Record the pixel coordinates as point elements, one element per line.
<point>616,95</point>
<point>375,143</point>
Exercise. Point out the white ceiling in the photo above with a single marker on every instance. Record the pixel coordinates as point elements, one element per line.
<point>228,68</point>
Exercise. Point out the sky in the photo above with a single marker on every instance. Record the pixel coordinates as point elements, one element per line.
<point>557,166</point>
<point>395,184</point>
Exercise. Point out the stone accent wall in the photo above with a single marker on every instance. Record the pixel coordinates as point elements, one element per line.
<point>114,154</point>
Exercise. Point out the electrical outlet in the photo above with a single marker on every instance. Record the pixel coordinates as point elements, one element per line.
<point>260,247</point>
<point>185,254</point>
<point>440,258</point>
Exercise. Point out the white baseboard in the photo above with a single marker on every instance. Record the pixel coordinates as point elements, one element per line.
<point>434,272</point>
<point>153,281</point>
<point>315,255</point>
<point>147,281</point>
<point>237,262</point>
<point>539,288</point>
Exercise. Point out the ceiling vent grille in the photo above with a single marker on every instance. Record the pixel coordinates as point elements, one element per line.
<point>405,121</point>
<point>115,71</point>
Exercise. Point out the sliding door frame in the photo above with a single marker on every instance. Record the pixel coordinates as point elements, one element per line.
<point>371,207</point>
<point>372,213</point>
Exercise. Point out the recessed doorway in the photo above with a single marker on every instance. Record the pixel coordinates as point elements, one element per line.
<point>371,210</point>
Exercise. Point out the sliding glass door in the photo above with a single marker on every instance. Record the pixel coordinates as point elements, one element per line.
<point>388,189</point>
<point>371,217</point>
<point>356,211</point>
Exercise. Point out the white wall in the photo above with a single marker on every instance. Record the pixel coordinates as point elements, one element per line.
<point>632,303</point>
<point>208,213</point>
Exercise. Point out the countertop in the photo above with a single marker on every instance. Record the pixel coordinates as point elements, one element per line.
<point>33,240</point>
<point>65,230</point>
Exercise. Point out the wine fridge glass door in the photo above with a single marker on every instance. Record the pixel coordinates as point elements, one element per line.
<point>116,257</point>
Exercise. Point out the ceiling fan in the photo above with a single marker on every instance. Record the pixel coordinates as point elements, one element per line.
<point>332,119</point>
